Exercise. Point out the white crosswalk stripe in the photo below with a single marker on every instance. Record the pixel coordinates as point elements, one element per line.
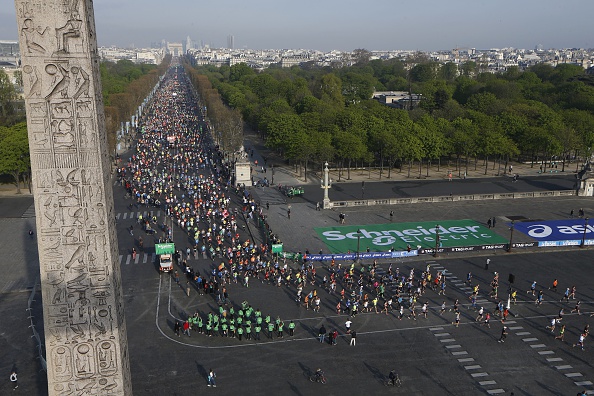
<point>125,216</point>
<point>128,257</point>
<point>118,216</point>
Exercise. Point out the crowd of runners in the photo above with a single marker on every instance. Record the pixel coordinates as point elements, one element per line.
<point>176,166</point>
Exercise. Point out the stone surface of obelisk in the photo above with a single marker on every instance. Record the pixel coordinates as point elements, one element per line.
<point>85,330</point>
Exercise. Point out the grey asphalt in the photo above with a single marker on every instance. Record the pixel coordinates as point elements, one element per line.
<point>431,356</point>
<point>165,364</point>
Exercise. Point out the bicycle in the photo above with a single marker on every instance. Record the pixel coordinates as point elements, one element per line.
<point>318,378</point>
<point>397,382</point>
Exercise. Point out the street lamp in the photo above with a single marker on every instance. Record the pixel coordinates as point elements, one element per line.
<point>511,236</point>
<point>358,244</point>
<point>436,240</point>
<point>362,189</point>
<point>584,234</point>
<point>272,168</point>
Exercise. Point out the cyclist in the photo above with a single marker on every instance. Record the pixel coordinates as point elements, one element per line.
<point>392,376</point>
<point>319,375</point>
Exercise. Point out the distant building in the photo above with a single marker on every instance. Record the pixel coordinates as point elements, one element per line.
<point>175,49</point>
<point>230,41</point>
<point>398,99</point>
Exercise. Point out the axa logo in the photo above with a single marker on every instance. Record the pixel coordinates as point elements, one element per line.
<point>539,231</point>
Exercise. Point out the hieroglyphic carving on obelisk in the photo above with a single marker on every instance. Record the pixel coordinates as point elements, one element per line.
<point>85,330</point>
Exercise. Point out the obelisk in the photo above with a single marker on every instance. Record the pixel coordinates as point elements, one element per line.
<point>85,330</point>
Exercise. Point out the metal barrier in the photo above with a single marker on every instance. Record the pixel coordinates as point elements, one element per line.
<point>32,326</point>
<point>452,198</point>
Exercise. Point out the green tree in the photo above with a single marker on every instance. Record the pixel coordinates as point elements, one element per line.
<point>8,96</point>
<point>14,153</point>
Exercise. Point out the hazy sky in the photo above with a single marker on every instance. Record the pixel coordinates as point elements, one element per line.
<point>341,25</point>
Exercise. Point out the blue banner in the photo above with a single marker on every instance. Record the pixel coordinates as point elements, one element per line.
<point>570,232</point>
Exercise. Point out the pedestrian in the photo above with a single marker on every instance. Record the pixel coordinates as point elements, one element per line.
<point>487,262</point>
<point>347,324</point>
<point>571,214</point>
<point>354,338</point>
<point>503,334</point>
<point>487,320</point>
<point>317,205</point>
<point>176,328</point>
<point>188,288</point>
<point>539,298</point>
<point>552,326</point>
<point>456,321</point>
<point>211,378</point>
<point>334,336</point>
<point>449,176</point>
<point>469,278</point>
<point>580,342</point>
<point>391,215</point>
<point>532,288</point>
<point>443,308</point>
<point>493,221</point>
<point>14,380</point>
<point>176,276</point>
<point>267,205</point>
<point>322,334</point>
<point>489,223</point>
<point>565,295</point>
<point>577,308</point>
<point>480,315</point>
<point>289,212</point>
<point>187,328</point>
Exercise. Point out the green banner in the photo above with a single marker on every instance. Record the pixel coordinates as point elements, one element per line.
<point>164,248</point>
<point>383,237</point>
<point>277,248</point>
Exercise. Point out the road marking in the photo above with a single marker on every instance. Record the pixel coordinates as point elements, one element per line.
<point>459,353</point>
<point>158,213</point>
<point>145,258</point>
<point>121,257</point>
<point>554,359</point>
<point>464,360</point>
<point>474,367</point>
<point>128,259</point>
<point>118,216</point>
<point>490,382</point>
<point>125,216</point>
<point>546,353</point>
<point>144,214</point>
<point>448,340</point>
<point>474,375</point>
<point>571,375</point>
<point>529,339</point>
<point>453,346</point>
<point>138,215</point>
<point>495,391</point>
<point>564,367</point>
<point>136,259</point>
<point>435,328</point>
<point>516,328</point>
<point>538,346</point>
<point>584,383</point>
<point>441,334</point>
<point>523,333</point>
<point>508,322</point>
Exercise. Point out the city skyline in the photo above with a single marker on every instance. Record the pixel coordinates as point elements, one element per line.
<point>331,25</point>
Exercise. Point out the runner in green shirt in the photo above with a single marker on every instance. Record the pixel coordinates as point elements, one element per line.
<point>280,329</point>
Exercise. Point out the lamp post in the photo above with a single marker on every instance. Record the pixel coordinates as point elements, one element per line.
<point>584,234</point>
<point>272,169</point>
<point>436,240</point>
<point>362,189</point>
<point>511,236</point>
<point>358,244</point>
<point>326,185</point>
